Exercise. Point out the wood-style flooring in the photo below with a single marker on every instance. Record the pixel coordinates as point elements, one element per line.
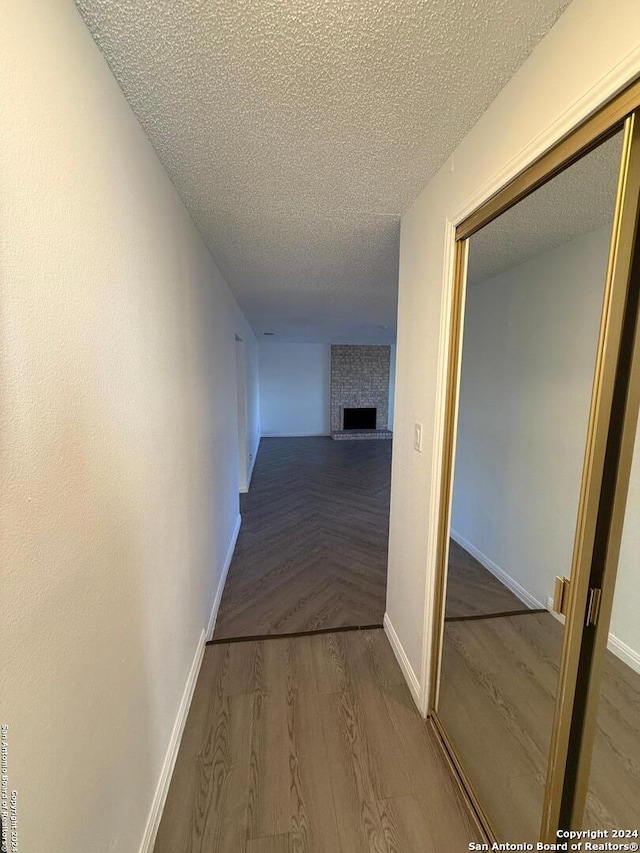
<point>312,549</point>
<point>474,591</point>
<point>310,744</point>
<point>497,696</point>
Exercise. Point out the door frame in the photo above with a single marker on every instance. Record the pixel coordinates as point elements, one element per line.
<point>613,417</point>
<point>241,413</point>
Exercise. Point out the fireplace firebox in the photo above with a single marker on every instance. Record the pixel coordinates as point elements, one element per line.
<point>361,418</point>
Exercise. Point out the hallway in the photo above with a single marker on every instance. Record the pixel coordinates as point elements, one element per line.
<point>231,231</point>
<point>312,549</point>
<point>310,744</point>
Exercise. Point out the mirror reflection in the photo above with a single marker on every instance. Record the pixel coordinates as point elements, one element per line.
<point>613,795</point>
<point>534,297</point>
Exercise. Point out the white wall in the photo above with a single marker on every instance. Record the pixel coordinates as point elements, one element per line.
<point>625,624</point>
<point>295,386</point>
<point>241,394</point>
<point>530,340</point>
<point>544,100</point>
<point>253,427</point>
<point>248,395</point>
<point>119,484</point>
<point>527,372</point>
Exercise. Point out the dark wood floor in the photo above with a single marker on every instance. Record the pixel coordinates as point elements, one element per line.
<point>474,591</point>
<point>497,696</point>
<point>310,744</point>
<point>497,699</point>
<point>312,549</point>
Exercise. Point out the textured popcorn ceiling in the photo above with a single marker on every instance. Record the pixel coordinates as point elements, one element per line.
<point>577,201</point>
<point>297,132</point>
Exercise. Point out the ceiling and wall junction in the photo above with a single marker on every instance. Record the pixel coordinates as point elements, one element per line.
<point>297,134</point>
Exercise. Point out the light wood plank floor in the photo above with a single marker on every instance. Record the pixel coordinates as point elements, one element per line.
<point>312,549</point>
<point>310,744</point>
<point>497,695</point>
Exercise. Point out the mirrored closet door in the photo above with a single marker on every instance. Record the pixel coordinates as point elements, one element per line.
<point>524,531</point>
<point>613,794</point>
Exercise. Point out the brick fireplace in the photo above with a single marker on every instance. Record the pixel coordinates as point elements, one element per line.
<point>360,384</point>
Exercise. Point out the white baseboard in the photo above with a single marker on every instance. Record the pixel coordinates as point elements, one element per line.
<point>162,789</point>
<point>512,585</point>
<point>624,652</point>
<point>223,577</point>
<point>295,434</point>
<point>403,660</point>
<point>617,647</point>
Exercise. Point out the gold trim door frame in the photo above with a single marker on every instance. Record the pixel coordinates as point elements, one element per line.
<point>611,432</point>
<point>614,415</point>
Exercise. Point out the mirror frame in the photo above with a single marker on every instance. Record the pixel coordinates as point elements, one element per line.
<point>611,433</point>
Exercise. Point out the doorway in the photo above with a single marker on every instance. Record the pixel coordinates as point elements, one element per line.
<point>241,391</point>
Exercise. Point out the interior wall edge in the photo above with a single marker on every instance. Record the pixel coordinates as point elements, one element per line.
<point>403,661</point>
<point>438,443</point>
<point>162,789</point>
<point>211,624</point>
<point>254,456</point>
